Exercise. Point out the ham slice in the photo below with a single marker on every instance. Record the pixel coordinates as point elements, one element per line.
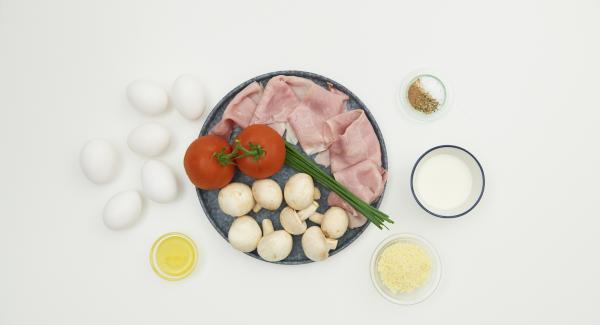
<point>309,119</point>
<point>355,158</point>
<point>239,111</point>
<point>366,180</point>
<point>277,102</point>
<point>352,140</point>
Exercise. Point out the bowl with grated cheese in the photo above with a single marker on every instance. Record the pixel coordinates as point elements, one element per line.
<point>405,269</point>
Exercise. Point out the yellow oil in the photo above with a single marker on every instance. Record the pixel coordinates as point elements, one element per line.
<point>173,256</point>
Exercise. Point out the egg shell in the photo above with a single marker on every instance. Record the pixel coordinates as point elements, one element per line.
<point>158,182</point>
<point>147,97</point>
<point>188,96</point>
<point>150,139</point>
<point>123,210</point>
<point>99,161</point>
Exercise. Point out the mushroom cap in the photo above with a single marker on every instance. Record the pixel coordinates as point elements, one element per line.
<point>275,246</point>
<point>244,234</point>
<point>316,247</point>
<point>236,199</point>
<point>267,193</point>
<point>299,191</point>
<point>291,222</point>
<point>334,223</point>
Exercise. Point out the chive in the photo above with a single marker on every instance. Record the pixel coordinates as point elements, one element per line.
<point>301,163</point>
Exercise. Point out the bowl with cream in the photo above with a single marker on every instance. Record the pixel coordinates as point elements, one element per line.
<point>447,181</point>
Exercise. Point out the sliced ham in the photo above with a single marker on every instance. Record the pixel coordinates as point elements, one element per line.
<point>290,136</point>
<point>299,85</point>
<point>309,118</point>
<point>352,140</point>
<point>322,158</point>
<point>279,127</point>
<point>355,159</point>
<point>239,111</point>
<point>366,180</point>
<point>277,102</point>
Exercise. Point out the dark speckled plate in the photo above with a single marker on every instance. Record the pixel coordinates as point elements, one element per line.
<point>222,222</point>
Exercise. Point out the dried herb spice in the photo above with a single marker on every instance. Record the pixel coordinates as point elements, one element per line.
<point>420,99</point>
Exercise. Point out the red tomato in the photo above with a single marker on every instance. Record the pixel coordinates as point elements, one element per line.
<point>263,151</point>
<point>202,166</point>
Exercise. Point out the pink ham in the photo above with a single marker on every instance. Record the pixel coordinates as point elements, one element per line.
<point>355,158</point>
<point>281,96</point>
<point>299,85</point>
<point>352,140</point>
<point>308,119</point>
<point>366,180</point>
<point>239,111</point>
<point>278,101</point>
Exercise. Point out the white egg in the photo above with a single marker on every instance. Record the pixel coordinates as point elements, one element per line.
<point>99,161</point>
<point>147,97</point>
<point>158,182</point>
<point>150,139</point>
<point>188,96</point>
<point>123,210</point>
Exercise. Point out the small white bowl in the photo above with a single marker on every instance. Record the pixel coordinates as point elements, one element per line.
<point>410,111</point>
<point>419,294</point>
<point>446,186</point>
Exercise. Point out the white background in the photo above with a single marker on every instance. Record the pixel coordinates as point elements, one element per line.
<point>525,78</point>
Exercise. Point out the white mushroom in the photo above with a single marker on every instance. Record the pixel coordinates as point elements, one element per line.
<point>267,194</point>
<point>299,191</point>
<point>236,199</point>
<point>244,234</point>
<point>275,245</point>
<point>316,194</point>
<point>291,222</point>
<point>316,218</point>
<point>334,223</point>
<point>315,245</point>
<point>308,211</point>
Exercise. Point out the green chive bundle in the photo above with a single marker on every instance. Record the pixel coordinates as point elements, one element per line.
<point>301,163</point>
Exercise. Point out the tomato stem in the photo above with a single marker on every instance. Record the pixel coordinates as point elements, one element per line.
<point>255,151</point>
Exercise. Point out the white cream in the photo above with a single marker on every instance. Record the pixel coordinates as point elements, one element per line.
<point>443,182</point>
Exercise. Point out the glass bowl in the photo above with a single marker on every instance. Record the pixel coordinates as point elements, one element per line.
<point>434,77</point>
<point>419,294</point>
<point>173,256</point>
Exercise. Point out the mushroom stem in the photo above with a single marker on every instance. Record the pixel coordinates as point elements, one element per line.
<point>316,218</point>
<point>256,208</point>
<point>331,243</point>
<point>308,211</point>
<point>267,227</point>
<point>316,193</point>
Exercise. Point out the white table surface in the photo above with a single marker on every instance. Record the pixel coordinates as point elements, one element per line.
<point>525,78</point>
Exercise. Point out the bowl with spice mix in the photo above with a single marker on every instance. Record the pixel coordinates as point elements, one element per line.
<point>424,96</point>
<point>405,269</point>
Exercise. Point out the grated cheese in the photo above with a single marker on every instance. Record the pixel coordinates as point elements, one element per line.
<point>403,267</point>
